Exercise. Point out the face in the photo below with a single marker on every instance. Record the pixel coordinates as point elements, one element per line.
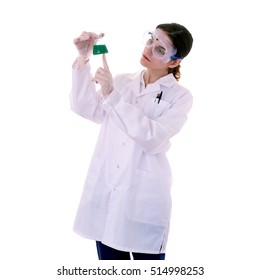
<point>158,50</point>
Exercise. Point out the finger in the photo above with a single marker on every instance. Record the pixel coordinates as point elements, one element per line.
<point>84,36</point>
<point>100,76</point>
<point>80,38</point>
<point>98,79</point>
<point>94,80</point>
<point>83,33</point>
<point>75,41</point>
<point>97,36</point>
<point>105,65</point>
<point>101,35</point>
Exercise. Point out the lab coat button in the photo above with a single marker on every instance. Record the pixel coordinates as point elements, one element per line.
<point>117,166</point>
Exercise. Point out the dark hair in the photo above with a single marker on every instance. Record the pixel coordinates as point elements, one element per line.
<point>181,39</point>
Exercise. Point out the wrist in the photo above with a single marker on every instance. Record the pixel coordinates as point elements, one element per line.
<point>83,58</point>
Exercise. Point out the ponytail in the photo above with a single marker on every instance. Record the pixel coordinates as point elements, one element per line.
<point>175,71</point>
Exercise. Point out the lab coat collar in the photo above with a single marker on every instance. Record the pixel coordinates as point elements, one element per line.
<point>137,80</point>
<point>167,80</point>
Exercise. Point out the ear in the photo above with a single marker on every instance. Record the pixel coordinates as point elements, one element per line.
<point>174,63</point>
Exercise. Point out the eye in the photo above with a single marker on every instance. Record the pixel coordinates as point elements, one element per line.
<point>161,50</point>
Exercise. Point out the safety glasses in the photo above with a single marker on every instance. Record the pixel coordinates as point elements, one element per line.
<point>162,48</point>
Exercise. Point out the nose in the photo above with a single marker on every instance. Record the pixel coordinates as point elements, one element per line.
<point>149,49</point>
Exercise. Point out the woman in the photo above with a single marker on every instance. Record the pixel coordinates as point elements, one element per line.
<point>126,202</point>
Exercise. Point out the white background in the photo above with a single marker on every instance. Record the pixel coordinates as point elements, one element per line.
<point>45,148</point>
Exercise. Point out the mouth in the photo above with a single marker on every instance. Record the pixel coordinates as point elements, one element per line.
<point>146,58</point>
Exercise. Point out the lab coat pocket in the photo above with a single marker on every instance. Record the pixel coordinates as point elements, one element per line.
<point>154,108</point>
<point>149,199</point>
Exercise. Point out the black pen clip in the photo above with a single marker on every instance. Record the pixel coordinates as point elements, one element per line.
<point>159,96</point>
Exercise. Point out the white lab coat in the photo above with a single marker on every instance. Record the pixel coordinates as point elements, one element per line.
<point>126,201</point>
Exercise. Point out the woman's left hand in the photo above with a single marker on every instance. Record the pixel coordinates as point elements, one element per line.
<point>104,78</point>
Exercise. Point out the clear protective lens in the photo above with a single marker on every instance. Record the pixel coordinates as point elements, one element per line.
<point>147,38</point>
<point>161,47</point>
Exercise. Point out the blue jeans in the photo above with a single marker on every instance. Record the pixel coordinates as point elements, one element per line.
<point>108,253</point>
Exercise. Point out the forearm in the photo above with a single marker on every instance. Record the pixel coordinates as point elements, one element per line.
<point>152,135</point>
<point>84,99</point>
<point>80,62</point>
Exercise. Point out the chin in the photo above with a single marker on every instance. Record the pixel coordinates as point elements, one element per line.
<point>143,62</point>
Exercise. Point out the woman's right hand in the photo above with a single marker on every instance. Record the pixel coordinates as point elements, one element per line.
<point>85,42</point>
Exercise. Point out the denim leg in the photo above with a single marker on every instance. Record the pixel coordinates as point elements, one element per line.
<point>142,256</point>
<point>107,253</point>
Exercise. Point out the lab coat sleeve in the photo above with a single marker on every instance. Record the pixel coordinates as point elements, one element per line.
<point>152,135</point>
<point>84,99</point>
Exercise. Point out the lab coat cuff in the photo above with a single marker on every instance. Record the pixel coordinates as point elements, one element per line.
<point>76,65</point>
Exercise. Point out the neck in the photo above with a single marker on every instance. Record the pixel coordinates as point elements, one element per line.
<point>152,76</point>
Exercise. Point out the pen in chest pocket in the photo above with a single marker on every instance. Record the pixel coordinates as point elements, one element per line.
<point>158,97</point>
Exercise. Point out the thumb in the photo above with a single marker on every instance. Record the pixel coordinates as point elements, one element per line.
<point>105,65</point>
